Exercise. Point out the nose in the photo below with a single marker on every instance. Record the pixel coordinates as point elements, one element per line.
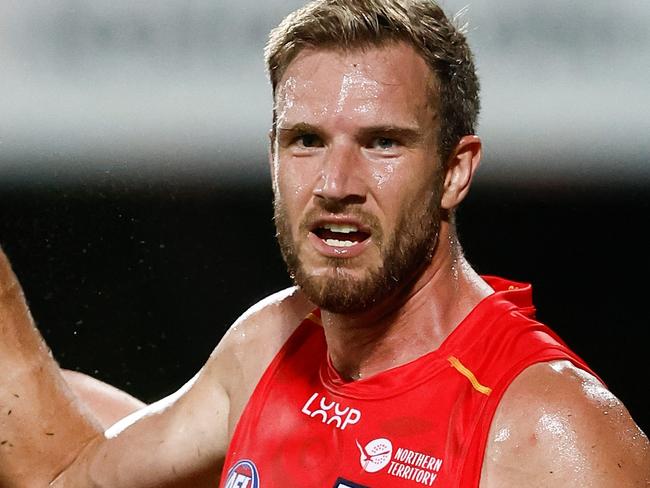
<point>341,177</point>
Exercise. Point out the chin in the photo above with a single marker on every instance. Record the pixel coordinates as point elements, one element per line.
<point>342,291</point>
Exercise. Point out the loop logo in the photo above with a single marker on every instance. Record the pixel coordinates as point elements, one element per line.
<point>331,412</point>
<point>243,475</point>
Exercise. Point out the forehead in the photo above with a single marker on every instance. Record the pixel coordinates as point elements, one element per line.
<point>364,81</point>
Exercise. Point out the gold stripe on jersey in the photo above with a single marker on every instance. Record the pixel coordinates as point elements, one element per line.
<point>455,362</point>
<point>314,318</point>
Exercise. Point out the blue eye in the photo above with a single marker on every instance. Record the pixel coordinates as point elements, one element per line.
<point>383,143</point>
<point>308,140</point>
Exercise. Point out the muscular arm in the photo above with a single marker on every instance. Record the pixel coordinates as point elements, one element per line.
<point>558,426</point>
<point>46,430</point>
<point>106,403</point>
<point>180,441</point>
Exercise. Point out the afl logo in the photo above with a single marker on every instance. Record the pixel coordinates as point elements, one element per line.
<point>243,475</point>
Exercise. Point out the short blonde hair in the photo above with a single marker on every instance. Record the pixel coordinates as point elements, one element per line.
<point>359,24</point>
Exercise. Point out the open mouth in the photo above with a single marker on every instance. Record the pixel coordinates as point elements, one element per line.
<point>340,235</point>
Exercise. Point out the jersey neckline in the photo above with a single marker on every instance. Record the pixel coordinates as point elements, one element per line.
<point>508,295</point>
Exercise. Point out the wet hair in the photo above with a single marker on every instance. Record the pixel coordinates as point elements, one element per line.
<point>361,24</point>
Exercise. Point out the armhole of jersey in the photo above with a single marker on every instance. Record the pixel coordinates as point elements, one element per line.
<point>470,472</point>
<point>259,392</point>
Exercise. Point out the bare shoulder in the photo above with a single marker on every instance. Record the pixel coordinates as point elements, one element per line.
<point>269,322</point>
<point>258,334</point>
<point>558,425</point>
<point>201,416</point>
<point>252,342</point>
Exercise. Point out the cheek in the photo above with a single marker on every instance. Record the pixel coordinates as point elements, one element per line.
<point>394,183</point>
<point>383,174</point>
<point>406,197</point>
<point>293,188</point>
<point>402,174</point>
<point>298,175</point>
<point>293,184</point>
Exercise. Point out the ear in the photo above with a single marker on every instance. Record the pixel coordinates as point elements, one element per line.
<point>461,167</point>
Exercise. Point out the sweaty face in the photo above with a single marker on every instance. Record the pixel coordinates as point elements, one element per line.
<point>356,173</point>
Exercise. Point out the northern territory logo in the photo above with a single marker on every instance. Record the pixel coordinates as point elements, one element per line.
<point>399,462</point>
<point>243,475</point>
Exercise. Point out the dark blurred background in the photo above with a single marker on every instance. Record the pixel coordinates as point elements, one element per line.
<point>135,202</point>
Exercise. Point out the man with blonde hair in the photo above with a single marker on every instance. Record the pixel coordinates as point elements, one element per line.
<point>391,362</point>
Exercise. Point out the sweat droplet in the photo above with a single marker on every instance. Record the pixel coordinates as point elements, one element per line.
<point>382,175</point>
<point>361,84</point>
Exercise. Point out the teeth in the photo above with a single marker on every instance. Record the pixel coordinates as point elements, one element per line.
<point>337,243</point>
<point>343,229</point>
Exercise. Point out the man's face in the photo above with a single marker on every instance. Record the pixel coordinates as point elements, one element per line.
<point>356,173</point>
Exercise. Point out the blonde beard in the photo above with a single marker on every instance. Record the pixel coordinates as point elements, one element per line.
<point>404,256</point>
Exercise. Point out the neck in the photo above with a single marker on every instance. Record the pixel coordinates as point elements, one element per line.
<point>412,322</point>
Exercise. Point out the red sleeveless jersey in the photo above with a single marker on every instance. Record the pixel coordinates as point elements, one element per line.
<point>424,423</point>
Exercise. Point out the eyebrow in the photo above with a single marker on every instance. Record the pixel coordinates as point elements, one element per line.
<point>300,128</point>
<point>404,133</point>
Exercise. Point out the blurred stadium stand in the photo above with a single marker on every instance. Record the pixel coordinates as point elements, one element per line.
<point>134,191</point>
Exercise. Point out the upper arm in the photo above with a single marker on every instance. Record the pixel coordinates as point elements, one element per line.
<point>559,426</point>
<point>44,426</point>
<point>106,403</point>
<point>182,440</point>
<point>179,441</point>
